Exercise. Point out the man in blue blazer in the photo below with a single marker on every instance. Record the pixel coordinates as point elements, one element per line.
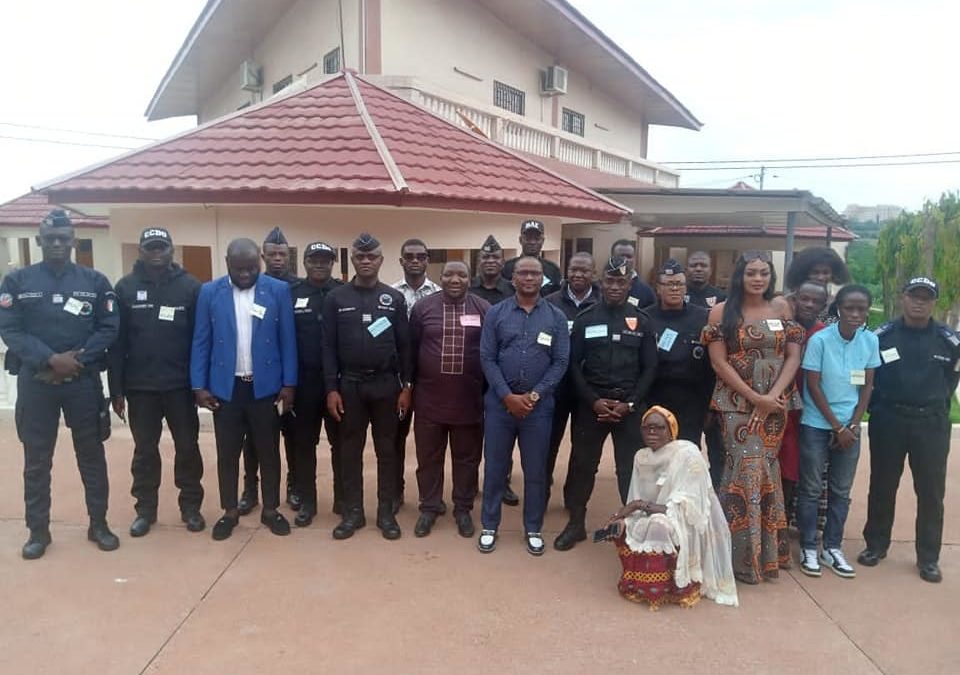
<point>243,365</point>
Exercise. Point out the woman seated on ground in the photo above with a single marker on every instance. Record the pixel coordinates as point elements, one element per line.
<point>672,536</point>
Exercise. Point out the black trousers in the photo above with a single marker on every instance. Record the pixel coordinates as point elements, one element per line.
<point>925,442</point>
<point>258,420</point>
<point>564,407</point>
<point>403,430</point>
<point>251,465</point>
<point>147,410</point>
<point>587,449</point>
<point>466,449</point>
<point>369,401</point>
<point>38,418</point>
<point>716,451</point>
<point>311,416</point>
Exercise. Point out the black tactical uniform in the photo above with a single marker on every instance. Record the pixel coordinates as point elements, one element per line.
<point>150,366</point>
<point>310,404</point>
<point>910,418</point>
<point>684,379</point>
<point>42,313</point>
<point>503,290</point>
<point>705,296</point>
<point>552,276</point>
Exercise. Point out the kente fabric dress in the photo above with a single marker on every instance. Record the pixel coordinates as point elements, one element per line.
<point>750,491</point>
<point>677,556</point>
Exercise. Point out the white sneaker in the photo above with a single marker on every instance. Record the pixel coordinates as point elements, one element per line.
<point>809,564</point>
<point>833,558</point>
<point>487,541</point>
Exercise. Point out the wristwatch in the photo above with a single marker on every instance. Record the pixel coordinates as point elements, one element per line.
<point>534,396</point>
<point>630,405</point>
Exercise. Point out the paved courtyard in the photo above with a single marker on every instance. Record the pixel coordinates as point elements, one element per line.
<point>176,602</point>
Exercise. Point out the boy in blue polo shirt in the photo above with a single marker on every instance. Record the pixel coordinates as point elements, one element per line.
<point>839,363</point>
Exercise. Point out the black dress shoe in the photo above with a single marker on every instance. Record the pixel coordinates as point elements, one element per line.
<point>223,528</point>
<point>141,525</point>
<point>279,525</point>
<point>36,545</point>
<point>465,524</point>
<point>294,500</point>
<point>388,525</point>
<point>100,534</point>
<point>870,558</point>
<point>247,502</point>
<point>574,532</point>
<point>194,521</point>
<point>424,524</point>
<point>510,497</point>
<point>305,515</point>
<point>351,522</point>
<point>930,572</point>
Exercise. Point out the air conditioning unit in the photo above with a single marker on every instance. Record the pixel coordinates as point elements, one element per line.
<point>553,81</point>
<point>251,76</point>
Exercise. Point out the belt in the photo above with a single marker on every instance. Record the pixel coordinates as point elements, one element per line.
<point>363,375</point>
<point>615,394</point>
<point>917,410</point>
<point>245,378</point>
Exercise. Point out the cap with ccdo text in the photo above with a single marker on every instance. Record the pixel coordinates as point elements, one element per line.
<point>922,282</point>
<point>153,234</point>
<point>320,248</point>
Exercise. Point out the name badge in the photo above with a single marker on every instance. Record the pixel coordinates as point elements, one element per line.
<point>258,311</point>
<point>569,327</point>
<point>141,296</point>
<point>546,339</point>
<point>667,338</point>
<point>858,377</point>
<point>168,313</point>
<point>545,281</point>
<point>57,299</point>
<point>598,330</point>
<point>775,325</point>
<point>301,303</point>
<point>615,337</point>
<point>378,326</point>
<point>366,318</point>
<point>711,301</point>
<point>633,301</point>
<point>470,320</point>
<point>890,355</point>
<point>73,306</point>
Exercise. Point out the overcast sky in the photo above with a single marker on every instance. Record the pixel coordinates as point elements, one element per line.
<point>816,78</point>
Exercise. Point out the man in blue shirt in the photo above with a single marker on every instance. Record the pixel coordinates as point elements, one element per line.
<point>524,351</point>
<point>839,362</point>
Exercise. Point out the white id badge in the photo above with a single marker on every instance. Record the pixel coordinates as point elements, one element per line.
<point>73,306</point>
<point>258,311</point>
<point>598,330</point>
<point>633,301</point>
<point>301,303</point>
<point>546,339</point>
<point>570,327</point>
<point>667,338</point>
<point>378,326</point>
<point>858,377</point>
<point>167,313</point>
<point>775,325</point>
<point>890,355</point>
<point>470,320</point>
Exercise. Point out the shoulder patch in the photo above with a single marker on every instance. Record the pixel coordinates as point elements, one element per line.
<point>884,329</point>
<point>949,336</point>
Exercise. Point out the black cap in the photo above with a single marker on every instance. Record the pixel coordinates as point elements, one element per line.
<point>366,242</point>
<point>320,248</point>
<point>670,267</point>
<point>152,234</point>
<point>617,266</point>
<point>275,237</point>
<point>490,245</point>
<point>531,225</point>
<point>57,218</point>
<point>922,282</point>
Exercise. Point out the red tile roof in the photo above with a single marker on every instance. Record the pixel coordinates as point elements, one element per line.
<point>806,232</point>
<point>29,209</point>
<point>344,141</point>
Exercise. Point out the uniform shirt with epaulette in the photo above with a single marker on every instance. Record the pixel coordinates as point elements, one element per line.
<point>308,318</point>
<point>681,358</point>
<point>921,366</point>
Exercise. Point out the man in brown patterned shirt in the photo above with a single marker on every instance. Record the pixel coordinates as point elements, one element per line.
<point>448,396</point>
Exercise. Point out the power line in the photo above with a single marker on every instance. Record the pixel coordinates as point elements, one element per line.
<point>812,159</point>
<point>825,166</point>
<point>76,131</point>
<point>50,140</point>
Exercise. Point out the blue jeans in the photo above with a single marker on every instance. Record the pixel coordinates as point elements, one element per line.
<point>500,431</point>
<point>815,451</point>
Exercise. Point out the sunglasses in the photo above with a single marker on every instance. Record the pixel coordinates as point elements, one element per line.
<point>750,256</point>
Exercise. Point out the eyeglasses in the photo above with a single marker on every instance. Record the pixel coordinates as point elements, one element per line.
<point>673,285</point>
<point>750,256</point>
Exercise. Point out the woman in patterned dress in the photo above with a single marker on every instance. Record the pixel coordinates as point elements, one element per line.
<point>754,347</point>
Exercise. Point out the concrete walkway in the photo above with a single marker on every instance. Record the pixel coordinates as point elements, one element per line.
<point>176,602</point>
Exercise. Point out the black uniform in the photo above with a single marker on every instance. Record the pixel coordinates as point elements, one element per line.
<point>706,296</point>
<point>150,365</point>
<point>503,290</point>
<point>640,294</point>
<point>684,379</point>
<point>565,395</point>
<point>310,404</point>
<point>43,313</point>
<point>552,276</point>
<point>613,355</point>
<point>910,418</point>
<point>366,358</point>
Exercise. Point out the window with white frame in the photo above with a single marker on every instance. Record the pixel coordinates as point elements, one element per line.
<point>509,98</point>
<point>331,61</point>
<point>573,122</point>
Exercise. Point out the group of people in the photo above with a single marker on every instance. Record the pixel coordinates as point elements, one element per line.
<point>777,385</point>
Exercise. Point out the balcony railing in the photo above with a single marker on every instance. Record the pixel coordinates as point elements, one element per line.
<point>517,133</point>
